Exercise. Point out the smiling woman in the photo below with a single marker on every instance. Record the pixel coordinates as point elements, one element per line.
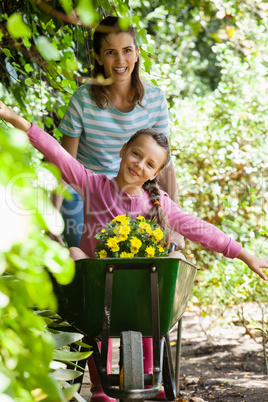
<point>118,56</point>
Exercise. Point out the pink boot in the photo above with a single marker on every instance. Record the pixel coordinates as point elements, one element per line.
<point>148,362</point>
<point>97,392</point>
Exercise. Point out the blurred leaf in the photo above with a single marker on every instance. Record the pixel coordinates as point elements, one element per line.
<point>86,12</point>
<point>47,49</point>
<point>17,27</point>
<point>8,53</point>
<point>66,374</point>
<point>67,5</point>
<point>69,391</point>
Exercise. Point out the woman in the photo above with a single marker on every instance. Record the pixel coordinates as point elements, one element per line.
<point>100,119</point>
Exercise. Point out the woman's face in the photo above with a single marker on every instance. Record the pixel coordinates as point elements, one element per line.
<point>118,56</point>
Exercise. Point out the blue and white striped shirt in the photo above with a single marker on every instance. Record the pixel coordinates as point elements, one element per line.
<point>103,132</point>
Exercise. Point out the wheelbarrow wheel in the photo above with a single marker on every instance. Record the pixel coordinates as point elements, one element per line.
<point>131,362</point>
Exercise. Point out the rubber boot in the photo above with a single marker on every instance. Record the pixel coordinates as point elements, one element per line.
<point>148,362</point>
<point>96,389</point>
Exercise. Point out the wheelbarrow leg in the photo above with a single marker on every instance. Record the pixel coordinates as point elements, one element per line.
<point>172,378</point>
<point>178,357</point>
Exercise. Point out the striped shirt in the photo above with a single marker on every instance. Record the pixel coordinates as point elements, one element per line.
<point>103,132</point>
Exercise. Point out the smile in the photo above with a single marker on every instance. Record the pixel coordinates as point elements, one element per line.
<point>132,172</point>
<point>120,70</point>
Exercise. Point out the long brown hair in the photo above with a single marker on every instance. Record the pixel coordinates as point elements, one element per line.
<point>101,93</point>
<point>156,214</point>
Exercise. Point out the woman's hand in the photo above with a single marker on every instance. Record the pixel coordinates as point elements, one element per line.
<point>10,116</point>
<point>254,263</point>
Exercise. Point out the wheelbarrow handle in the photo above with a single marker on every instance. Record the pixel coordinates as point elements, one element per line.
<point>172,247</point>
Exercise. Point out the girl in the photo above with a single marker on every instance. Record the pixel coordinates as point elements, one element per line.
<point>133,190</point>
<point>100,119</point>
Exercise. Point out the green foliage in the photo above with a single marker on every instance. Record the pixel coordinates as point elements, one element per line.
<point>27,259</point>
<point>211,60</point>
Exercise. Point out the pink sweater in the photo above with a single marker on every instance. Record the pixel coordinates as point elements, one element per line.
<point>103,200</point>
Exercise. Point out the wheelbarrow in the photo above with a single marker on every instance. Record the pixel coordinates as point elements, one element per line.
<point>130,299</point>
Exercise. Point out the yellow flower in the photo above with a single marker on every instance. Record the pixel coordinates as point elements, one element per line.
<point>150,251</point>
<point>126,255</point>
<point>140,218</point>
<point>135,244</point>
<point>112,244</point>
<point>157,235</point>
<point>122,237</point>
<point>103,254</point>
<point>123,229</point>
<point>160,248</point>
<point>121,219</point>
<point>145,227</point>
<point>130,237</point>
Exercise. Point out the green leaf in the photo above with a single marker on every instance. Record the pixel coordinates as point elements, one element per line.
<point>29,81</point>
<point>124,23</point>
<point>70,391</point>
<point>17,27</point>
<point>86,12</point>
<point>70,356</point>
<point>66,374</point>
<point>7,53</point>
<point>28,68</point>
<point>84,345</point>
<point>67,5</point>
<point>66,338</point>
<point>47,49</point>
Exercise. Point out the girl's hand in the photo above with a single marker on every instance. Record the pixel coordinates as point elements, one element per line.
<point>254,263</point>
<point>11,117</point>
<point>5,112</point>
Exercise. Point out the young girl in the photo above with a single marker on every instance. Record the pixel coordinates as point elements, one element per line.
<point>100,119</point>
<point>133,190</point>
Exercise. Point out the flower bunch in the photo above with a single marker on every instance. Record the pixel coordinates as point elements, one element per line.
<point>126,237</point>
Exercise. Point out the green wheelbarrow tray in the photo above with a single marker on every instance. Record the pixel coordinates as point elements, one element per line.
<point>81,303</point>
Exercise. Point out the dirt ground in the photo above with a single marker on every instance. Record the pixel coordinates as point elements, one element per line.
<point>219,363</point>
<point>224,365</point>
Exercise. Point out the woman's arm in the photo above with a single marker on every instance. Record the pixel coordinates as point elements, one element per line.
<point>70,144</point>
<point>167,182</point>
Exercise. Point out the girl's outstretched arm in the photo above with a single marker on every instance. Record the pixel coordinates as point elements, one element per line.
<point>72,171</point>
<point>13,118</point>
<point>254,263</point>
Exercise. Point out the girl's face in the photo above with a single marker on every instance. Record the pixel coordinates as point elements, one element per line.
<point>118,55</point>
<point>142,160</point>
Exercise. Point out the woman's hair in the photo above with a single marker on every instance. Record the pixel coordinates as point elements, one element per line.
<point>100,93</point>
<point>156,214</point>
